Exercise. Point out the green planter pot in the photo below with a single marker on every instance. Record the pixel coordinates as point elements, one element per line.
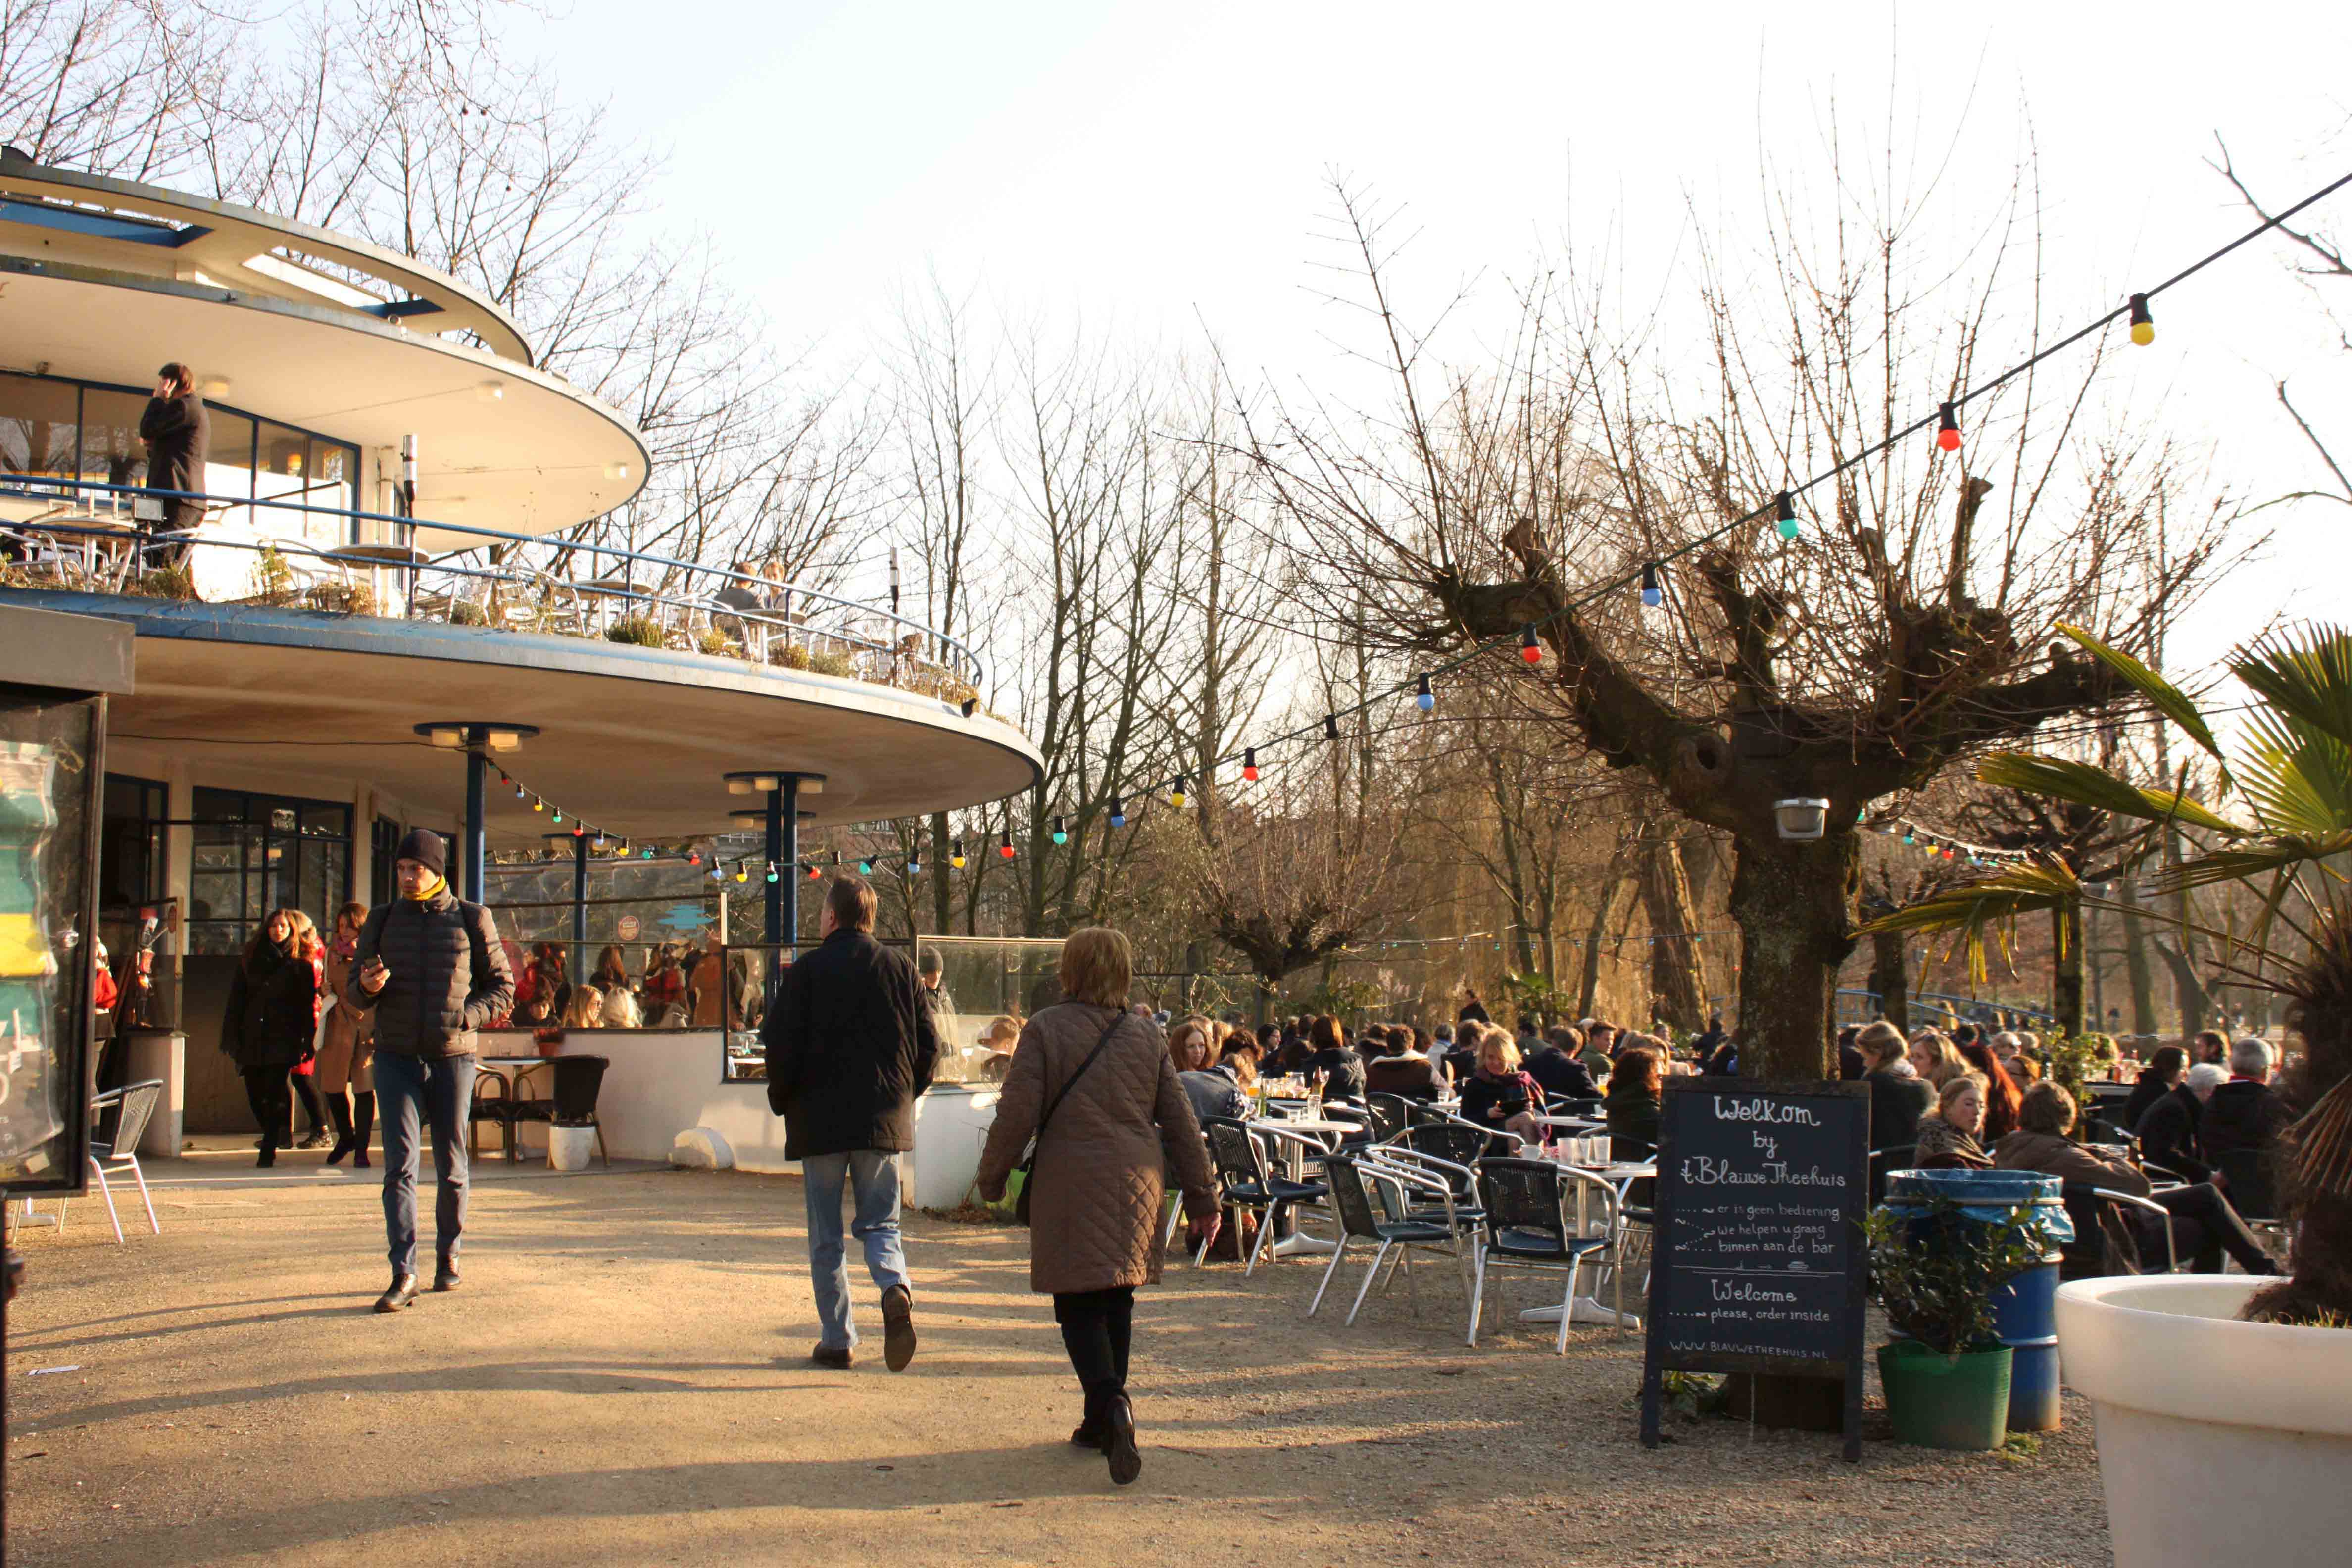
<point>1946,1402</point>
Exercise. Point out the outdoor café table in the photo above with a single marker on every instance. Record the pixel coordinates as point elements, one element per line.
<point>602,594</point>
<point>1294,1157</point>
<point>520,1066</point>
<point>378,558</point>
<point>1574,1123</point>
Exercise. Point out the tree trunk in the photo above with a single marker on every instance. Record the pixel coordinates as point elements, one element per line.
<point>2066,966</point>
<point>942,889</point>
<point>2143,978</point>
<point>1890,976</point>
<point>1677,979</point>
<point>1588,984</point>
<point>1794,905</point>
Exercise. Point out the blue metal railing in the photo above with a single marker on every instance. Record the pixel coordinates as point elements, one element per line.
<point>1861,1006</point>
<point>816,623</point>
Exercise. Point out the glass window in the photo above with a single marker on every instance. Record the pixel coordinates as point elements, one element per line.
<point>112,452</point>
<point>38,423</point>
<point>228,461</point>
<point>257,853</point>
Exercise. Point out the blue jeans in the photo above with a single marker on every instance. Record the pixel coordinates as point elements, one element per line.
<point>873,1176</point>
<point>440,1094</point>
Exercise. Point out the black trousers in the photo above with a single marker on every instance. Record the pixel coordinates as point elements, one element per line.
<point>1097,1326</point>
<point>2204,1225</point>
<point>272,1102</point>
<point>306,1089</point>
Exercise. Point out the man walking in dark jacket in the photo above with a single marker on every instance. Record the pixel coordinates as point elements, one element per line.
<point>432,971</point>
<point>850,1044</point>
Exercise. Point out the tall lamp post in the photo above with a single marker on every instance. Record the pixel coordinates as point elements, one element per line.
<point>478,738</point>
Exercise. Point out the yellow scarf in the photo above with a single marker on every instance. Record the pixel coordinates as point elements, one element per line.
<point>431,889</point>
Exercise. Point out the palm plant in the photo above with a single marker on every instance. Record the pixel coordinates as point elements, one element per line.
<point>2289,777</point>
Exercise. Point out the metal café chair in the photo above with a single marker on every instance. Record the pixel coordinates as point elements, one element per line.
<point>578,1081</point>
<point>1528,1226</point>
<point>137,1102</point>
<point>1248,1182</point>
<point>1361,1221</point>
<point>1390,1115</point>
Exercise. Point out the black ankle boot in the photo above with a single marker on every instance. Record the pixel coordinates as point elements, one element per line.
<point>342,1112</point>
<point>363,1127</point>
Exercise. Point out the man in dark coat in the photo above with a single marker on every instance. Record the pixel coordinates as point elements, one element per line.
<point>2168,1127</point>
<point>1554,1069</point>
<point>851,1043</point>
<point>2245,1112</point>
<point>431,972</point>
<point>177,433</point>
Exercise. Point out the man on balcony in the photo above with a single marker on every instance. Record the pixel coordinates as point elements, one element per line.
<point>178,436</point>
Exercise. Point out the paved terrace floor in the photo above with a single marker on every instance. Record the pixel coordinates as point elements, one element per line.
<point>622,1381</point>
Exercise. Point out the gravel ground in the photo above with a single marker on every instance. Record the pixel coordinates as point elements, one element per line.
<point>622,1380</point>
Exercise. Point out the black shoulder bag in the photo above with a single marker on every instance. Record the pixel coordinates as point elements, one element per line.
<point>1028,1166</point>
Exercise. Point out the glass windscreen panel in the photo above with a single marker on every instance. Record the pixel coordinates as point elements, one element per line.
<point>983,990</point>
<point>112,452</point>
<point>751,977</point>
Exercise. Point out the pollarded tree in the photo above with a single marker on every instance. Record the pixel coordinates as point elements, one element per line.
<point>1905,625</point>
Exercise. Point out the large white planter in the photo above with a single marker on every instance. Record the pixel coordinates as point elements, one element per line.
<point>2220,1442</point>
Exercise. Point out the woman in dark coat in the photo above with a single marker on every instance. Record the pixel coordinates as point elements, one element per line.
<point>1095,1191</point>
<point>272,1019</point>
<point>2159,1078</point>
<point>1631,1104</point>
<point>177,433</point>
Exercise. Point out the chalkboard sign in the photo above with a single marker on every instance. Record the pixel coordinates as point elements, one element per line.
<point>1756,1264</point>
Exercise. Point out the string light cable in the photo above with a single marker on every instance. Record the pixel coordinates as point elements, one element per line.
<point>1779,510</point>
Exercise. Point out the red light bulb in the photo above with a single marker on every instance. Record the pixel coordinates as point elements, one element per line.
<point>1948,429</point>
<point>1529,648</point>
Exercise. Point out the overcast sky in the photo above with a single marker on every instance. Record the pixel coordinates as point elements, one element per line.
<point>1146,169</point>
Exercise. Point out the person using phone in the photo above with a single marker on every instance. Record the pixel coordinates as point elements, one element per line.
<point>177,433</point>
<point>430,972</point>
<point>1500,1095</point>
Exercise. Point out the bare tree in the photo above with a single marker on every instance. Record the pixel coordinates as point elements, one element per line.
<point>1894,634</point>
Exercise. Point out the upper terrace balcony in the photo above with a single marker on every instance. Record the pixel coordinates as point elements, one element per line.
<point>298,336</point>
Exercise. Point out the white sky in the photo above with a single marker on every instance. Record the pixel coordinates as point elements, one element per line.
<point>1110,163</point>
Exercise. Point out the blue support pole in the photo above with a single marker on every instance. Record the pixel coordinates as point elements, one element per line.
<point>477,765</point>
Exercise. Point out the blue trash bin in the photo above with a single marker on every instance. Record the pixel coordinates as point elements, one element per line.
<point>2025,1309</point>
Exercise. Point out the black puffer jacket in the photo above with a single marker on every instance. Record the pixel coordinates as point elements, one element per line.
<point>850,1045</point>
<point>273,1011</point>
<point>448,976</point>
<point>177,431</point>
<point>2241,1115</point>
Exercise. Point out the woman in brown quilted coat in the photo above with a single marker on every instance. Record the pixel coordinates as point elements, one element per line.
<point>1099,1079</point>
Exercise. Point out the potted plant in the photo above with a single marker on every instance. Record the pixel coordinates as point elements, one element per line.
<point>2224,1427</point>
<point>1934,1269</point>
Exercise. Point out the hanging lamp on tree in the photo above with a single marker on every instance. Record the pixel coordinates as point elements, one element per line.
<point>1948,428</point>
<point>1530,646</point>
<point>1424,699</point>
<point>1004,845</point>
<point>1653,595</point>
<point>2142,325</point>
<point>1118,812</point>
<point>955,854</point>
<point>1330,726</point>
<point>1176,795</point>
<point>1785,510</point>
<point>1061,834</point>
<point>1249,765</point>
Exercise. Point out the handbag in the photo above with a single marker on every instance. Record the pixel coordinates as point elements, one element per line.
<point>1028,1166</point>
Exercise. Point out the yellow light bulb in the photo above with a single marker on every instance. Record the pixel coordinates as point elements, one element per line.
<point>2143,333</point>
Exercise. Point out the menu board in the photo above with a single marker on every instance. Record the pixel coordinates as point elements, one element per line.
<point>1756,1264</point>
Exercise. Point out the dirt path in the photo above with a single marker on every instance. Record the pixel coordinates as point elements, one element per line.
<point>622,1380</point>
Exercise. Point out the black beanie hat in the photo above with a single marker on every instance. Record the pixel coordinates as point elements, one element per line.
<point>424,847</point>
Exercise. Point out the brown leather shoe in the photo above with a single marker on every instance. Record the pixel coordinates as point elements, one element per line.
<point>1118,1442</point>
<point>402,1291</point>
<point>897,1328</point>
<point>835,1356</point>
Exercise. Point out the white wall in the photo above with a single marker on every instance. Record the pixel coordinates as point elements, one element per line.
<point>661,1082</point>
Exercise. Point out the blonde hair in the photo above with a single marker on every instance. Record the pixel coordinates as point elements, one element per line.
<point>620,1009</point>
<point>1881,1042</point>
<point>1498,1040</point>
<point>1096,966</point>
<point>586,1008</point>
<point>1949,1063</point>
<point>1955,1085</point>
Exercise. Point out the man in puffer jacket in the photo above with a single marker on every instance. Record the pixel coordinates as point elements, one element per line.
<point>432,972</point>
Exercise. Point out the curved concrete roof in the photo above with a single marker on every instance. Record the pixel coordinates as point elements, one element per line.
<point>123,220</point>
<point>635,739</point>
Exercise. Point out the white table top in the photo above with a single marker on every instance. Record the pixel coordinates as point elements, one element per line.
<point>1317,1125</point>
